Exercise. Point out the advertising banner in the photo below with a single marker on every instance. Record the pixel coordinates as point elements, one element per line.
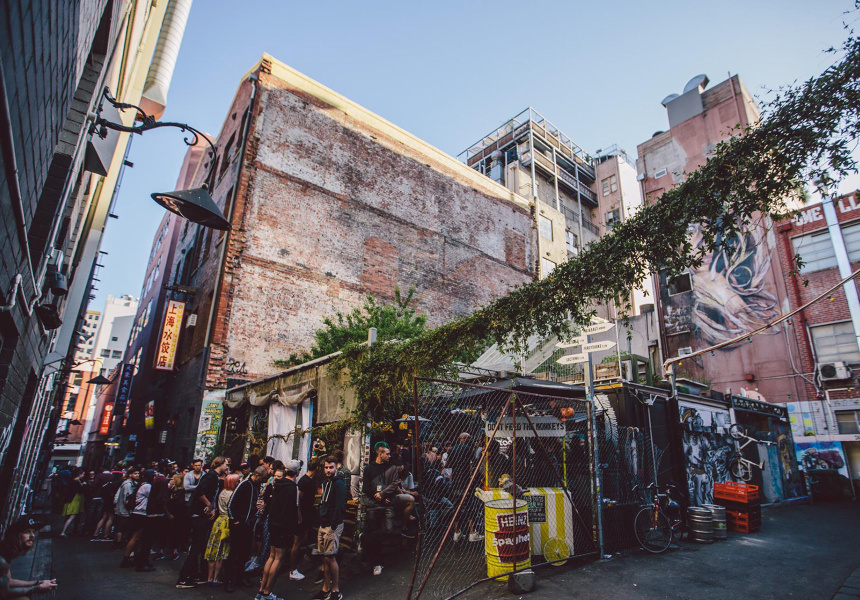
<point>209,426</point>
<point>149,415</point>
<point>165,355</point>
<point>106,416</point>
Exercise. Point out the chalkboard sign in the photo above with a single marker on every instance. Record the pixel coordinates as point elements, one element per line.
<point>537,508</point>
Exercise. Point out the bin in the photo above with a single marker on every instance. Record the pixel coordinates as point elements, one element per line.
<point>506,538</point>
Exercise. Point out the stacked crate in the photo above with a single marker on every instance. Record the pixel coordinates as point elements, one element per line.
<point>743,506</point>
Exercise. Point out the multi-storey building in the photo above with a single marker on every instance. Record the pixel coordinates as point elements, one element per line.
<point>116,325</point>
<point>825,418</point>
<point>87,337</point>
<point>534,159</point>
<point>328,203</point>
<point>56,189</point>
<point>731,293</point>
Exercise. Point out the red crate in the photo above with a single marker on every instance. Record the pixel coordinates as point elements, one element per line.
<point>742,521</point>
<point>744,493</point>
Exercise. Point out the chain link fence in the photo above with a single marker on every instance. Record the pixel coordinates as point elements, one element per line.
<point>478,448</point>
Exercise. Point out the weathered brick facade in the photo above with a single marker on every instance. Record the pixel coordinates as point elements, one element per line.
<point>333,203</point>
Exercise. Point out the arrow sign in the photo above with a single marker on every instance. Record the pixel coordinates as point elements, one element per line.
<point>572,359</point>
<point>599,328</point>
<point>597,346</point>
<point>576,341</point>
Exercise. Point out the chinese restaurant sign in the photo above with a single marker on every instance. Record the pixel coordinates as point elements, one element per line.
<point>106,415</point>
<point>124,391</point>
<point>166,352</point>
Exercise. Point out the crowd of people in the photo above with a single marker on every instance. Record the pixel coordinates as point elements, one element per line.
<point>235,523</point>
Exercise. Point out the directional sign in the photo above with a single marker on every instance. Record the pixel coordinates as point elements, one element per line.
<point>572,359</point>
<point>599,328</point>
<point>597,346</point>
<point>576,341</point>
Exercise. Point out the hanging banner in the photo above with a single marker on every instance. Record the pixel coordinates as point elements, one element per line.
<point>149,415</point>
<point>106,416</point>
<point>165,354</point>
<point>546,426</point>
<point>124,390</point>
<point>209,427</point>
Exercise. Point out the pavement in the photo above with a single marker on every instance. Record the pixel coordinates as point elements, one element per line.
<point>809,552</point>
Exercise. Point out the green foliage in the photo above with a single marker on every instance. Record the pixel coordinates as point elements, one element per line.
<point>393,321</point>
<point>807,130</point>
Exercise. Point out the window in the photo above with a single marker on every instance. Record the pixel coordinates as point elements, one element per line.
<point>610,184</point>
<point>105,353</point>
<point>815,250</point>
<point>848,421</point>
<point>571,241</point>
<point>835,342</point>
<point>545,228</point>
<point>612,218</point>
<point>76,379</point>
<point>661,173</point>
<point>114,339</point>
<point>116,354</point>
<point>546,266</point>
<point>680,284</point>
<point>851,235</point>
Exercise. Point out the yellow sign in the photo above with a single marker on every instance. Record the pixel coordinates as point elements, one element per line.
<point>166,352</point>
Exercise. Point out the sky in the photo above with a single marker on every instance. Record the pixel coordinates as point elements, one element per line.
<point>450,72</point>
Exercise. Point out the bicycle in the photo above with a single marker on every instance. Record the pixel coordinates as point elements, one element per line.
<point>740,467</point>
<point>655,525</point>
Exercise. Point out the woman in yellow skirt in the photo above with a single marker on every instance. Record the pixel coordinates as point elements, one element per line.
<point>75,504</point>
<point>218,548</point>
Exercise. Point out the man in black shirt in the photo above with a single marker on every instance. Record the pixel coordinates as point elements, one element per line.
<point>461,462</point>
<point>203,513</point>
<point>281,499</point>
<point>307,517</point>
<point>332,507</point>
<point>242,510</point>
<point>379,487</point>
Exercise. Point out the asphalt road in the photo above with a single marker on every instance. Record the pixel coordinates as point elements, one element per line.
<point>803,552</point>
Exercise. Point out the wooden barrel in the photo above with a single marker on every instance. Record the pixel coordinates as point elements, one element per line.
<point>701,523</point>
<point>718,513</point>
<point>506,540</point>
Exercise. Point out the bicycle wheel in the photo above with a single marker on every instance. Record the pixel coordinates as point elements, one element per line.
<point>653,531</point>
<point>736,431</point>
<point>740,469</point>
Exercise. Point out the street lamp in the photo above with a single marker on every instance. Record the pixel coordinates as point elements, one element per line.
<point>195,204</point>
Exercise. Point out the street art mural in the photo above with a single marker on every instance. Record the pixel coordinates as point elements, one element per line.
<point>792,481</point>
<point>800,419</point>
<point>821,455</point>
<point>729,293</point>
<point>708,449</point>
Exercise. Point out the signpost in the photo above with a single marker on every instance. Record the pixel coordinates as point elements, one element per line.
<point>597,347</point>
<point>572,359</point>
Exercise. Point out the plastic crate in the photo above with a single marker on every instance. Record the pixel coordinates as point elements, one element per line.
<point>743,521</point>
<point>744,493</point>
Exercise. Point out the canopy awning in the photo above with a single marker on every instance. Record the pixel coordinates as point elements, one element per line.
<point>334,400</point>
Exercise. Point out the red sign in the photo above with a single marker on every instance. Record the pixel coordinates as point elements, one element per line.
<point>106,416</point>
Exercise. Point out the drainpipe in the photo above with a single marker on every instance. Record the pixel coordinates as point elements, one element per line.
<point>219,277</point>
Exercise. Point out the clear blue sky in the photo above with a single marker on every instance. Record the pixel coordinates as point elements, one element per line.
<point>451,71</point>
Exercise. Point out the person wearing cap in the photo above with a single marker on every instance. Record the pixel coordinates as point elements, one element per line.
<point>19,540</point>
<point>245,470</point>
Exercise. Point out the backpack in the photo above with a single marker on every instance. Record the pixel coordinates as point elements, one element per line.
<point>131,499</point>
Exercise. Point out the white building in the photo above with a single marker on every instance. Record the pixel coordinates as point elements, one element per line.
<point>116,323</point>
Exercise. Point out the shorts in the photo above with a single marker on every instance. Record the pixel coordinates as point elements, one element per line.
<point>401,501</point>
<point>328,540</point>
<point>306,525</point>
<point>280,537</point>
<point>122,524</point>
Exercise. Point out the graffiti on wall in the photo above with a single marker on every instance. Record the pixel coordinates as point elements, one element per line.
<point>708,449</point>
<point>730,294</point>
<point>821,455</point>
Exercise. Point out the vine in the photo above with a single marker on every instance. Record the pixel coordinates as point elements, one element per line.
<point>808,130</point>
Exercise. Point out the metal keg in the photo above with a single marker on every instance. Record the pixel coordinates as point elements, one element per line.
<point>701,524</point>
<point>718,513</point>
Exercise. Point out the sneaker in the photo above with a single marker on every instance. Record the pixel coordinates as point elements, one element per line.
<point>475,537</point>
<point>200,581</point>
<point>295,575</point>
<point>335,596</point>
<point>457,537</point>
<point>184,585</point>
<point>320,578</point>
<point>377,570</point>
<point>175,555</point>
<point>407,534</point>
<point>95,539</point>
<point>320,595</point>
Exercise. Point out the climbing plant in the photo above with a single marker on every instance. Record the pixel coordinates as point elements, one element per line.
<point>807,130</point>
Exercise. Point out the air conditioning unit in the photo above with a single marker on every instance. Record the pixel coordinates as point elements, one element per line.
<point>834,371</point>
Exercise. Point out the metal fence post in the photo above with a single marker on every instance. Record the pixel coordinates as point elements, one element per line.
<point>598,470</point>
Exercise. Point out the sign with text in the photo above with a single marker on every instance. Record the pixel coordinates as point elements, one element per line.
<point>598,346</point>
<point>576,341</point>
<point>106,417</point>
<point>572,359</point>
<point>209,426</point>
<point>149,415</point>
<point>165,355</point>
<point>756,406</point>
<point>546,426</point>
<point>124,389</point>
<point>599,328</point>
<point>537,508</point>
